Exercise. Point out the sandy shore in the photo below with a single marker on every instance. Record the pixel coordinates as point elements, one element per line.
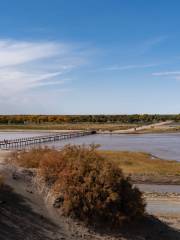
<point>143,129</point>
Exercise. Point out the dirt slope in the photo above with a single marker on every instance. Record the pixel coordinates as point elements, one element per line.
<point>25,216</point>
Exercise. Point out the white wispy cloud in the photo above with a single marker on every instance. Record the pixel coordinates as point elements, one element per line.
<point>174,75</point>
<point>124,67</point>
<point>154,41</point>
<point>17,52</point>
<point>26,65</point>
<point>127,67</point>
<point>150,44</point>
<point>167,73</point>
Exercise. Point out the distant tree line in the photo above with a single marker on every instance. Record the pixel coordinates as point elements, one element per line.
<point>58,119</point>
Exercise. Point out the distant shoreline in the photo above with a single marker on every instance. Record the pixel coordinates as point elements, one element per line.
<point>100,128</point>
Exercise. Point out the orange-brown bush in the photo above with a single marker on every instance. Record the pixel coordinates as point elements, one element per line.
<point>89,187</point>
<point>32,158</point>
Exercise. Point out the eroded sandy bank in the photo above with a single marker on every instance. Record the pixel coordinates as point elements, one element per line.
<point>27,216</point>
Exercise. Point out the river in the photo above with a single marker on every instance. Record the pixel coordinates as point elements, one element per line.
<point>166,146</point>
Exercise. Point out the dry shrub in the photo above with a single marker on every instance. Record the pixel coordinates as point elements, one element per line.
<point>30,158</point>
<point>90,187</point>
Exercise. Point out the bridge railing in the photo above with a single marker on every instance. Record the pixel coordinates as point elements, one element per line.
<point>19,142</point>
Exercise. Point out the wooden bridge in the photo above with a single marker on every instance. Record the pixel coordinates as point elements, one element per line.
<point>22,142</point>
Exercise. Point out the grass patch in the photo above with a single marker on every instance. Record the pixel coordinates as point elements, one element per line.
<point>69,126</point>
<point>142,163</point>
<point>136,164</point>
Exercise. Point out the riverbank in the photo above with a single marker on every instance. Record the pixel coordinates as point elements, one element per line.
<point>69,126</point>
<point>142,168</point>
<point>102,128</point>
<point>28,204</point>
<point>113,128</point>
<point>145,168</point>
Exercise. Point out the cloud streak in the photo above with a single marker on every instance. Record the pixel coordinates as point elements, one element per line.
<point>27,65</point>
<point>168,73</point>
<point>125,67</point>
<point>174,75</point>
<point>129,67</point>
<point>17,52</point>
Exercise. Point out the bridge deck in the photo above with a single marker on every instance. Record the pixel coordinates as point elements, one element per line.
<point>20,142</point>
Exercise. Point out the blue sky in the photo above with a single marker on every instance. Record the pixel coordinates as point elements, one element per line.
<point>89,56</point>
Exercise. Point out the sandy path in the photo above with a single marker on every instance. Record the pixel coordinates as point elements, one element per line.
<point>145,127</point>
